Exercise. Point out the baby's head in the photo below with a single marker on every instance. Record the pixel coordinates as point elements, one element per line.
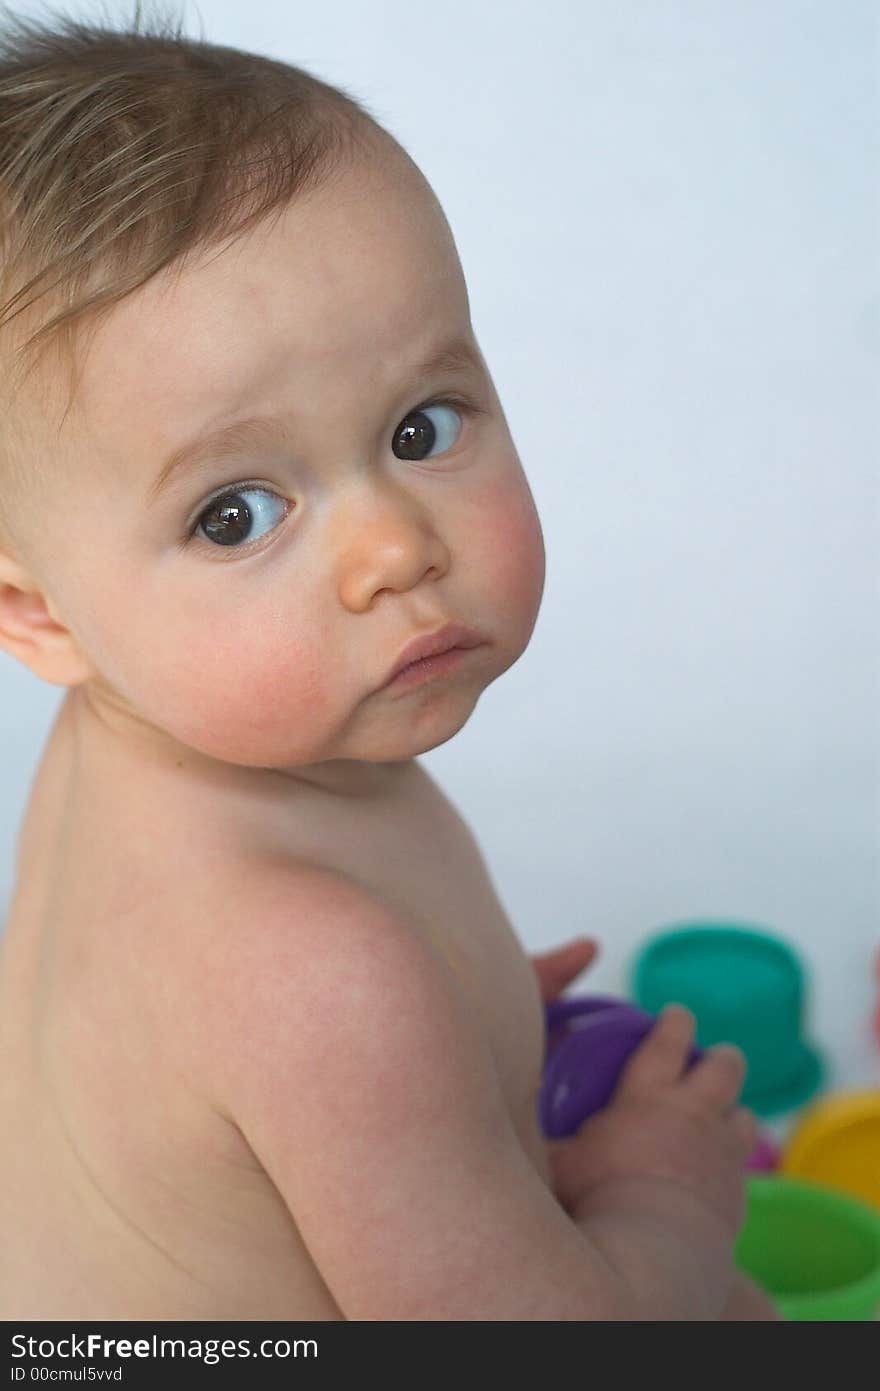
<point>198,238</point>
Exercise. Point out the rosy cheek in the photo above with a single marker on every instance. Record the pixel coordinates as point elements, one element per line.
<point>248,696</point>
<point>512,549</point>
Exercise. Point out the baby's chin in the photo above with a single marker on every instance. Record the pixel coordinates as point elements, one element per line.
<point>405,744</point>
<point>409,729</point>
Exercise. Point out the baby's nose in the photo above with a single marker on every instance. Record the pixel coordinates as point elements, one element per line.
<point>384,538</point>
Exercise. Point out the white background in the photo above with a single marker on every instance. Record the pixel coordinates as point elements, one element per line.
<point>667,215</point>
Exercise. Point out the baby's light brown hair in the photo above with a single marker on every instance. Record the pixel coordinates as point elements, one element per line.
<point>121,150</point>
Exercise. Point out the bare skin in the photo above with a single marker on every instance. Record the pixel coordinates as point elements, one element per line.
<point>270,1041</point>
<point>146,1201</point>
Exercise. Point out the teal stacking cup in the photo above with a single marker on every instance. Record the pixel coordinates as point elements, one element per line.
<point>814,1250</point>
<point>744,986</point>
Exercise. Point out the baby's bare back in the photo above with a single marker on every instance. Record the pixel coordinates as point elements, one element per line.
<point>127,1189</point>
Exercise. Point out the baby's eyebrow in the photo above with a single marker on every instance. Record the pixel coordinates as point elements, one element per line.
<point>262,431</point>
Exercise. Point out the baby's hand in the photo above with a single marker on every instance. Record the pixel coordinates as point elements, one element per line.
<point>668,1125</point>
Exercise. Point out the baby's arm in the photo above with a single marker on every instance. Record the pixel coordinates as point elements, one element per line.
<point>672,1141</point>
<point>350,1061</point>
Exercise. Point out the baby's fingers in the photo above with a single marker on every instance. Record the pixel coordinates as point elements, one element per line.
<point>716,1080</point>
<point>744,1127</point>
<point>661,1056</point>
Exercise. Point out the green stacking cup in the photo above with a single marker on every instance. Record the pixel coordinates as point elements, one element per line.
<point>814,1250</point>
<point>744,986</point>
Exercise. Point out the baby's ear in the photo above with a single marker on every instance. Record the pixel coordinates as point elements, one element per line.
<point>33,633</point>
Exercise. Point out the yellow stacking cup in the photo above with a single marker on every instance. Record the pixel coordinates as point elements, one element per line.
<point>837,1142</point>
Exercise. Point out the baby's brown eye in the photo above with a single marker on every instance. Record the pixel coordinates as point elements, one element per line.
<point>229,521</point>
<point>416,434</point>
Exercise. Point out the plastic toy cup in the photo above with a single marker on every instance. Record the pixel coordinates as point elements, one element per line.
<point>837,1143</point>
<point>815,1251</point>
<point>744,987</point>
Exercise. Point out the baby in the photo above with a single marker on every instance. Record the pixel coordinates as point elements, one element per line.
<point>269,1046</point>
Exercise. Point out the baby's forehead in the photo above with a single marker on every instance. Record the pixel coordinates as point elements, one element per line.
<point>324,288</point>
<point>342,235</point>
<point>158,381</point>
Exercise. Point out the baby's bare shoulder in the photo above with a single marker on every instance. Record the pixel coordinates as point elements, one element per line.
<point>354,1064</point>
<point>293,945</point>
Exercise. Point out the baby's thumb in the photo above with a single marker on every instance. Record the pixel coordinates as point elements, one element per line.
<point>558,968</point>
